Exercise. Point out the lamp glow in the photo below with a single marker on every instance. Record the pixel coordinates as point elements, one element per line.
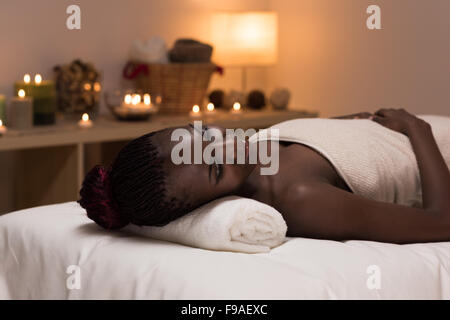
<point>245,38</point>
<point>21,93</point>
<point>210,107</point>
<point>236,106</point>
<point>196,109</point>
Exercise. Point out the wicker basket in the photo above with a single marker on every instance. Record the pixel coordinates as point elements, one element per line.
<point>181,85</point>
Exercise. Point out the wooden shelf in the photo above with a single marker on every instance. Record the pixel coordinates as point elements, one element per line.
<point>50,162</point>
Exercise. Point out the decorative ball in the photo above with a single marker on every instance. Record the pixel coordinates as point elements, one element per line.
<point>279,98</point>
<point>216,97</point>
<point>256,99</point>
<point>234,96</point>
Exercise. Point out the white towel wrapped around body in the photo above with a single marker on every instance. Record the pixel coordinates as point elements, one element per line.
<point>374,161</point>
<point>227,224</point>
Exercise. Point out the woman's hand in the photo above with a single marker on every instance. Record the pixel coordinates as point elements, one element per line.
<point>399,120</point>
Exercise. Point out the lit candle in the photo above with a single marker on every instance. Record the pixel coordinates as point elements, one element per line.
<point>21,111</point>
<point>2,128</point>
<point>37,79</point>
<point>97,87</point>
<point>85,122</point>
<point>133,104</point>
<point>44,98</point>
<point>2,107</point>
<point>136,99</point>
<point>195,113</point>
<point>147,99</point>
<point>128,98</point>
<point>27,78</point>
<point>210,109</point>
<point>236,108</point>
<point>87,86</point>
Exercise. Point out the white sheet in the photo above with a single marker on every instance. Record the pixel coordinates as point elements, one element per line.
<point>38,244</point>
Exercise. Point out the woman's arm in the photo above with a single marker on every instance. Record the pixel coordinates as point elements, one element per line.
<point>434,174</point>
<point>320,210</point>
<point>360,115</point>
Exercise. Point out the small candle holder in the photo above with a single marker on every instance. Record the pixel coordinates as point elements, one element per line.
<point>210,109</point>
<point>195,112</point>
<point>236,109</point>
<point>129,105</point>
<point>85,122</point>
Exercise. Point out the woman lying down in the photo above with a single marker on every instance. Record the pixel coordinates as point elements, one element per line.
<point>381,177</point>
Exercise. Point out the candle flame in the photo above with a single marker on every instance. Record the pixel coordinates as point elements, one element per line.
<point>85,117</point>
<point>38,79</point>
<point>21,93</point>
<point>236,106</point>
<point>136,99</point>
<point>27,78</point>
<point>87,86</point>
<point>210,107</point>
<point>128,99</point>
<point>97,87</point>
<point>147,99</point>
<point>196,109</point>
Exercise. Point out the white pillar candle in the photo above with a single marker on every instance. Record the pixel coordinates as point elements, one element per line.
<point>21,112</point>
<point>2,128</point>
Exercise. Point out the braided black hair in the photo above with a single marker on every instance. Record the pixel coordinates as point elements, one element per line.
<point>133,189</point>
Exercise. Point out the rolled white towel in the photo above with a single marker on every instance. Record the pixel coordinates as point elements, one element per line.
<point>227,224</point>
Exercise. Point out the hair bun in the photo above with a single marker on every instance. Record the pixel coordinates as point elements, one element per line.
<point>96,198</point>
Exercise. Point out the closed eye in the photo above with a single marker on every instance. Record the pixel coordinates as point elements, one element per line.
<point>218,168</point>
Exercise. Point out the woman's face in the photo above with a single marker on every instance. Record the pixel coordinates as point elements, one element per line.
<point>201,183</point>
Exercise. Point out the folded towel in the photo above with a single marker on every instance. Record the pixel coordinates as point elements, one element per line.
<point>153,50</point>
<point>227,224</point>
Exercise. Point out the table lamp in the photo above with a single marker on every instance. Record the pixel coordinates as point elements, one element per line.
<point>245,39</point>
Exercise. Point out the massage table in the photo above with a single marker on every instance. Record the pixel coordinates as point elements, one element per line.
<point>42,249</point>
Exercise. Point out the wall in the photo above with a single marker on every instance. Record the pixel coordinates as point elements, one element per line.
<point>334,64</point>
<point>34,38</point>
<point>327,56</point>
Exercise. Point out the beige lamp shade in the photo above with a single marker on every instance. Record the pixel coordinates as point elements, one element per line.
<point>245,38</point>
